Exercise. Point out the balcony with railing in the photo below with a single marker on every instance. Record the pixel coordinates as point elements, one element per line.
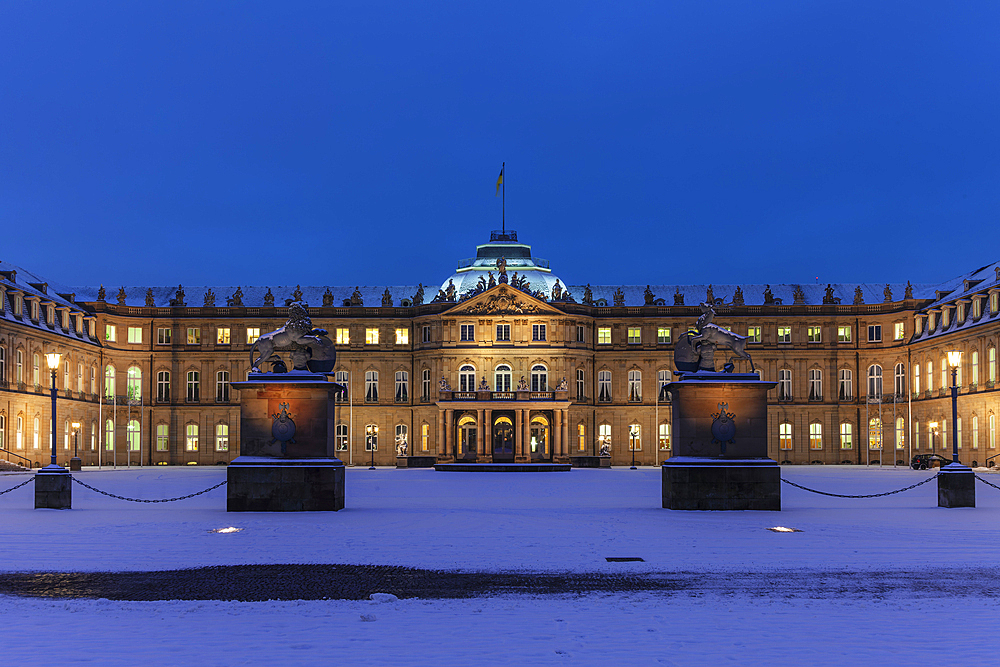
<point>521,395</point>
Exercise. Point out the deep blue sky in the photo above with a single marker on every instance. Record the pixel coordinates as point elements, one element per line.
<point>359,142</point>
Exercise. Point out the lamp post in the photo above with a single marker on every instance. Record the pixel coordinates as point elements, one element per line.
<point>75,464</point>
<point>954,359</point>
<point>53,485</point>
<point>632,433</point>
<point>956,482</point>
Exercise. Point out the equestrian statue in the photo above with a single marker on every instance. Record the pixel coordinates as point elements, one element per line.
<point>311,349</point>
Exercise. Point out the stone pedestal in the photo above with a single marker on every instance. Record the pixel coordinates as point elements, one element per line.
<point>415,461</point>
<point>590,461</point>
<point>53,488</point>
<point>76,464</point>
<point>956,486</point>
<point>286,461</point>
<point>720,457</point>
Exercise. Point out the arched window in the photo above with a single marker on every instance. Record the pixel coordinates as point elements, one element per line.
<point>846,435</point>
<point>784,436</point>
<point>991,366</point>
<point>975,431</point>
<point>163,386</point>
<point>900,433</point>
<point>815,436</point>
<point>635,386</point>
<point>19,433</point>
<point>191,438</point>
<point>662,380</point>
<point>222,437</point>
<point>132,435</point>
<point>604,439</point>
<point>371,386</point>
<point>193,387</point>
<point>36,377</point>
<point>958,432</point>
<point>539,378</point>
<point>975,367</point>
<point>874,381</point>
<point>604,386</point>
<point>66,434</point>
<point>815,384</point>
<point>402,440</point>
<point>342,437</point>
<point>371,437</point>
<point>36,435</point>
<point>785,385</point>
<point>133,383</point>
<point>899,380</point>
<point>222,387</point>
<point>93,436</point>
<point>664,437</point>
<point>634,437</point>
<point>930,375</point>
<point>916,378</point>
<point>874,433</point>
<point>467,378</point>
<point>109,435</point>
<point>109,381</point>
<point>402,386</point>
<point>501,377</point>
<point>846,390</point>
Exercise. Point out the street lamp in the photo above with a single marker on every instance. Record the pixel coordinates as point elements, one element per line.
<point>633,434</point>
<point>52,359</point>
<point>954,359</point>
<point>75,463</point>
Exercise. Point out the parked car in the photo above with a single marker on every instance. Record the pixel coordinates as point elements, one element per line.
<point>925,461</point>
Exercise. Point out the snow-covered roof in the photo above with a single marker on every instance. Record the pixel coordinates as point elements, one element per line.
<point>31,285</point>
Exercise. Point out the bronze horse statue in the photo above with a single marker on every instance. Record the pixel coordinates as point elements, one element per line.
<point>715,336</point>
<point>311,348</point>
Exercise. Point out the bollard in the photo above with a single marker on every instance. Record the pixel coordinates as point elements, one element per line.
<point>53,489</point>
<point>956,486</point>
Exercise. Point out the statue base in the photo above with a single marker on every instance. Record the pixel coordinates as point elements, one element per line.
<point>691,483</point>
<point>415,461</point>
<point>956,486</point>
<point>53,488</point>
<point>590,461</point>
<point>266,484</point>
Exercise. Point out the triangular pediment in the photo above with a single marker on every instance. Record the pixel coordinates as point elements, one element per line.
<point>503,300</point>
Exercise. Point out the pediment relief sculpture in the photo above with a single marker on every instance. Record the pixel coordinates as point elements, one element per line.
<point>503,302</point>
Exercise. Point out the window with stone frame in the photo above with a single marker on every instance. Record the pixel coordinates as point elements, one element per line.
<point>635,386</point>
<point>135,335</point>
<point>402,394</point>
<point>371,386</point>
<point>222,437</point>
<point>634,437</point>
<point>874,333</point>
<point>753,333</point>
<point>846,435</point>
<point>426,334</point>
<point>814,334</point>
<point>784,334</point>
<point>539,378</point>
<point>371,437</point>
<point>222,387</point>
<point>163,336</point>
<point>815,436</point>
<point>604,386</point>
<point>662,380</point>
<point>665,436</point>
<point>784,384</point>
<point>815,384</point>
<point>193,386</point>
<point>191,438</point>
<point>162,438</point>
<point>785,436</point>
<point>634,335</point>
<point>502,378</point>
<point>581,385</point>
<point>343,378</point>
<point>604,335</point>
<point>663,335</point>
<point>899,379</point>
<point>843,334</point>
<point>425,385</point>
<point>343,336</point>
<point>898,331</point>
<point>402,336</point>
<point>253,335</point>
<point>538,332</point>
<point>341,437</point>
<point>467,332</point>
<point>503,333</point>
<point>874,381</point>
<point>110,333</point>
<point>371,336</point>
<point>580,333</point>
<point>467,378</point>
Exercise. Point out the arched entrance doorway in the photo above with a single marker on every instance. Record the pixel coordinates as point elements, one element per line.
<point>539,438</point>
<point>503,439</point>
<point>466,438</point>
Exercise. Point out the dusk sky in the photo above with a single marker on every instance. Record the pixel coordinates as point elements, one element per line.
<point>343,143</point>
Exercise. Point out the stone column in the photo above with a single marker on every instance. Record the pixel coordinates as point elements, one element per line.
<point>566,434</point>
<point>488,434</point>
<point>517,433</point>
<point>449,436</point>
<point>441,447</point>
<point>556,433</point>
<point>480,433</point>
<point>526,435</point>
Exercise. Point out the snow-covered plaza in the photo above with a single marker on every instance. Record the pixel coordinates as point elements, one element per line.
<point>887,580</point>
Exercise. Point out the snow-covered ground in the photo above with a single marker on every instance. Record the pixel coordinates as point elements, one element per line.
<point>492,521</point>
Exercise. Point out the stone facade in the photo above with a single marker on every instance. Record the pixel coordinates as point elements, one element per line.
<point>610,356</point>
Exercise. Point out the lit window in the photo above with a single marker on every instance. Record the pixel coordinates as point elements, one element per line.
<point>581,437</point>
<point>222,387</point>
<point>634,438</point>
<point>874,381</point>
<point>604,438</point>
<point>958,431</point>
<point>425,436</point>
<point>784,334</point>
<point>222,336</point>
<point>604,386</point>
<point>537,332</point>
<point>916,378</point>
<point>814,334</point>
<point>162,437</point>
<point>604,335</point>
<point>665,437</point>
<point>815,384</point>
<point>110,333</point>
<point>467,378</point>
<point>467,332</point>
<point>109,381</point>
<point>991,366</point>
<point>875,333</point>
<point>844,336</point>
<point>222,437</point>
<point>503,332</point>
<point>402,386</point>
<point>193,386</point>
<point>975,431</point>
<point>663,335</point>
<point>109,435</point>
<point>944,372</point>
<point>135,334</point>
<point>784,435</point>
<point>753,334</point>
<point>539,378</point>
<point>975,367</point>
<point>874,433</point>
<point>977,307</point>
<point>930,375</point>
<point>20,366</point>
<point>897,331</point>
<point>343,336</point>
<point>371,336</point>
<point>132,435</point>
<point>784,384</point>
<point>900,435</point>
<point>133,383</point>
<point>341,437</point>
<point>846,436</point>
<point>815,436</point>
<point>163,386</point>
<point>163,336</point>
<point>994,303</point>
<point>253,333</point>
<point>371,386</point>
<point>634,335</point>
<point>635,386</point>
<point>36,373</point>
<point>193,336</point>
<point>402,436</point>
<point>371,438</point>
<point>992,431</point>
<point>191,438</point>
<point>402,336</point>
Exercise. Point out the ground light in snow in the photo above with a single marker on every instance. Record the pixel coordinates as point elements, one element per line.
<point>783,529</point>
<point>230,529</point>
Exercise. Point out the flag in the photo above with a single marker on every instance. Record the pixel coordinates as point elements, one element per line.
<point>499,182</point>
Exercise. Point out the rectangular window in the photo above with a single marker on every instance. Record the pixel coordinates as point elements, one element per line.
<point>662,380</point>
<point>634,438</point>
<point>581,386</point>
<point>604,335</point>
<point>537,332</point>
<point>815,384</point>
<point>371,336</point>
<point>662,335</point>
<point>784,384</point>
<point>343,378</point>
<point>341,437</point>
<point>581,438</point>
<point>371,386</point>
<point>425,385</point>
<point>604,439</point>
<point>402,336</point>
<point>784,334</point>
<point>426,334</point>
<point>110,333</point>
<point>753,334</point>
<point>874,333</point>
<point>371,438</point>
<point>815,335</point>
<point>664,437</point>
<point>343,336</point>
<point>815,436</point>
<point>635,386</point>
<point>191,438</point>
<point>897,331</point>
<point>634,335</point>
<point>135,334</point>
<point>467,332</point>
<point>193,386</point>
<point>425,436</point>
<point>503,332</point>
<point>785,436</point>
<point>162,438</point>
<point>402,386</point>
<point>846,436</point>
<point>844,334</point>
<point>222,336</point>
<point>163,336</point>
<point>222,437</point>
<point>193,336</point>
<point>580,333</point>
<point>222,387</point>
<point>604,386</point>
<point>253,333</point>
<point>163,386</point>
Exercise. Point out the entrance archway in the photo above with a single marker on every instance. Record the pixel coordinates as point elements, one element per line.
<point>503,439</point>
<point>539,442</point>
<point>466,438</point>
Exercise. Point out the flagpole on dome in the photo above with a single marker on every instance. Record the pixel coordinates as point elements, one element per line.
<point>502,188</point>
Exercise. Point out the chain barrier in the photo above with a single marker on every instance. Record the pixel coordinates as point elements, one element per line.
<point>30,479</point>
<point>985,482</point>
<point>143,500</point>
<point>870,495</point>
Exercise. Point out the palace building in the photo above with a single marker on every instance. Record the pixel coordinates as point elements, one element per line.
<point>502,362</point>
